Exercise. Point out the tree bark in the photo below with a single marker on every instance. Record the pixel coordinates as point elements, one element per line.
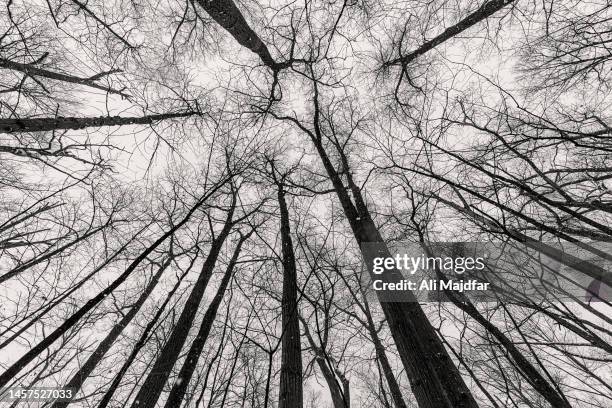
<point>33,71</point>
<point>290,391</point>
<point>483,12</point>
<point>65,123</point>
<point>228,16</point>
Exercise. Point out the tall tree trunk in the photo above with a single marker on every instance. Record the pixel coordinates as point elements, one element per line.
<point>158,376</point>
<point>482,13</point>
<point>434,378</point>
<point>64,123</point>
<point>180,387</point>
<point>337,395</point>
<point>290,391</point>
<point>79,378</point>
<point>381,387</point>
<point>228,16</point>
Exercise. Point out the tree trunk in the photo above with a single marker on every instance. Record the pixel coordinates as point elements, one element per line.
<point>290,391</point>
<point>64,123</point>
<point>434,378</point>
<point>482,13</point>
<point>180,386</point>
<point>34,71</point>
<point>339,398</point>
<point>79,378</point>
<point>158,376</point>
<point>228,16</point>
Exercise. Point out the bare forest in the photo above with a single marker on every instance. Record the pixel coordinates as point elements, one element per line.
<point>186,188</point>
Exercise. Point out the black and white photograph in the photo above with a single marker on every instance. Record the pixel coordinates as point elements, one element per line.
<point>306,204</point>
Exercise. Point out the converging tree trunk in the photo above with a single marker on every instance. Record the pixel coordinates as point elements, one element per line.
<point>434,378</point>
<point>436,381</point>
<point>170,230</point>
